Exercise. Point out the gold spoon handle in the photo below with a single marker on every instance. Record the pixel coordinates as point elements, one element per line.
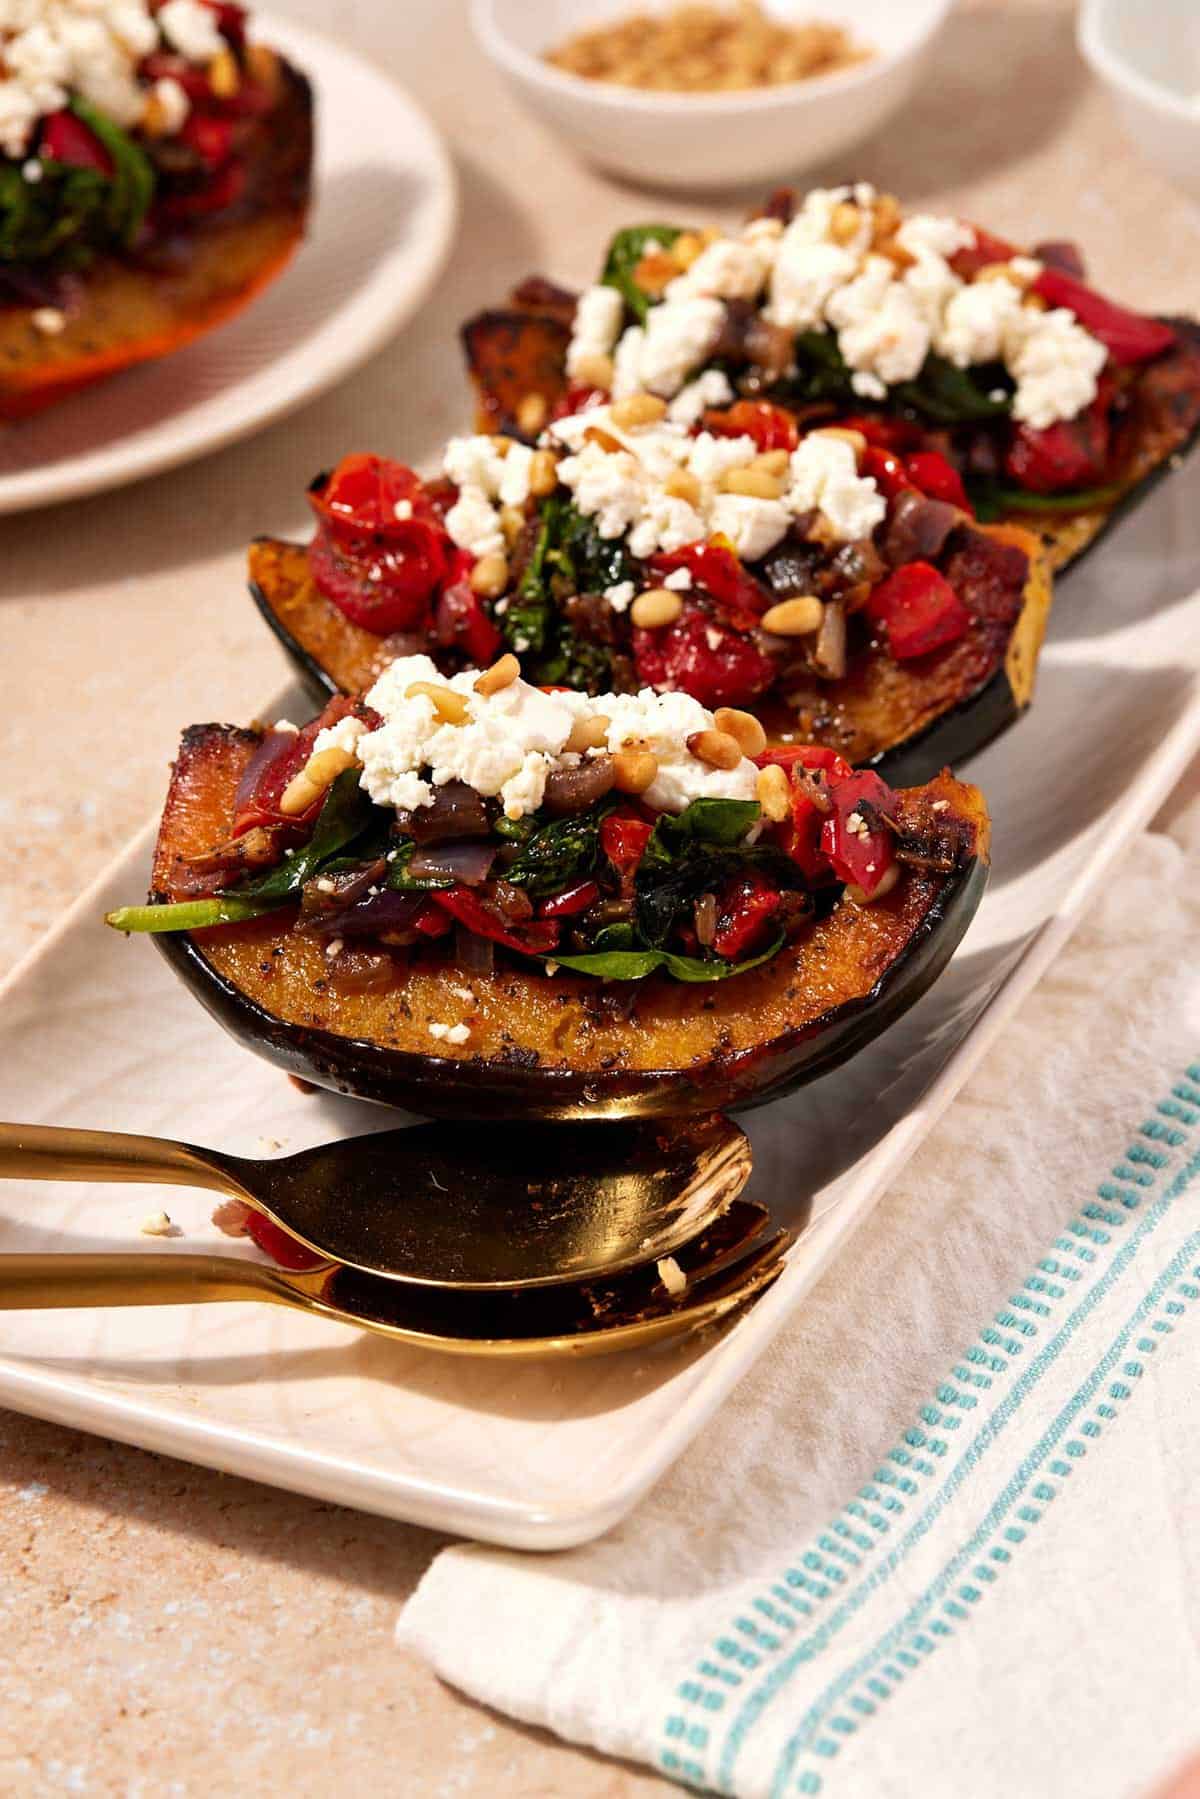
<point>38,1282</point>
<point>46,1152</point>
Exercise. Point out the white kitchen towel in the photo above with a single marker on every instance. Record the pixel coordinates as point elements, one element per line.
<point>945,1538</point>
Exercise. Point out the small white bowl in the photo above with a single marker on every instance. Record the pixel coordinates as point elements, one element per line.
<point>710,140</point>
<point>1147,54</point>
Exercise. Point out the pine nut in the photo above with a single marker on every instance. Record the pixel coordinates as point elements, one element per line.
<point>994,271</point>
<point>450,707</point>
<point>543,473</point>
<point>754,482</point>
<point>502,443</point>
<point>1033,301</point>
<point>685,249</point>
<point>743,727</point>
<point>716,748</point>
<point>318,773</point>
<point>657,607</point>
<point>683,485</point>
<point>843,434</point>
<point>512,523</point>
<point>594,371</point>
<point>603,440</point>
<point>153,122</point>
<point>855,893</point>
<point>224,77</point>
<point>588,734</point>
<point>654,271</point>
<point>773,462</point>
<point>489,577</point>
<point>794,618</point>
<point>637,409</point>
<point>298,795</point>
<point>262,64</point>
<point>844,222</point>
<point>532,414</point>
<point>773,792</point>
<point>634,770</point>
<point>887,217</point>
<point>500,675</point>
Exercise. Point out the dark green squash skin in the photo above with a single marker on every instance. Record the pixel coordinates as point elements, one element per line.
<point>445,1087</point>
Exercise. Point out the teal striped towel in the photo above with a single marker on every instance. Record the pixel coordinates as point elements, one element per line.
<point>917,1554</point>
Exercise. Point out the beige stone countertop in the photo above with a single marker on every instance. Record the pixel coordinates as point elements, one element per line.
<point>166,1629</point>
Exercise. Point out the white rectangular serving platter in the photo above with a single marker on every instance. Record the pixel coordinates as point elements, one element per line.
<point>95,1031</point>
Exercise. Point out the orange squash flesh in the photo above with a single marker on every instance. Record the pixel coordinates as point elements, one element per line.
<point>565,1045</point>
<point>134,312</point>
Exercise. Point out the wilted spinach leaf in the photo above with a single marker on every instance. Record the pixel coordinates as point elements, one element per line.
<point>559,852</point>
<point>344,816</point>
<point>949,395</point>
<point>625,252</point>
<point>636,964</point>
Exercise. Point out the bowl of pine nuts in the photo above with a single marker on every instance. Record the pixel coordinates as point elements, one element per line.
<point>709,93</point>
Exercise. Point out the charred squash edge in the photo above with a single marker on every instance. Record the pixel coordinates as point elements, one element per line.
<point>441,1086</point>
<point>950,738</point>
<point>34,388</point>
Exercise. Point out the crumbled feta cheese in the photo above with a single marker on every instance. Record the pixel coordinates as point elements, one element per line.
<point>488,475</point>
<point>403,509</point>
<point>677,337</point>
<point>672,1276</point>
<point>1056,364</point>
<point>333,949</point>
<point>663,722</point>
<point>753,526</point>
<point>173,104</point>
<point>474,523</point>
<point>879,323</point>
<point>976,322</point>
<point>49,320</point>
<point>729,268</point>
<point>595,327</point>
<point>285,724</point>
<point>450,1033</point>
<point>712,388</point>
<point>620,596</point>
<point>824,474</point>
<point>806,275</point>
<point>158,1224</point>
<point>679,580</point>
<point>191,28</point>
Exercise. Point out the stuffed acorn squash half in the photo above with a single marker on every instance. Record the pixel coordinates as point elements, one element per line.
<point>154,176</point>
<point>479,898</point>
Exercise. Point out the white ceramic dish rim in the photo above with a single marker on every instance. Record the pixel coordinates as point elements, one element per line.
<point>1115,69</point>
<point>317,1470</point>
<point>620,99</point>
<point>93,472</point>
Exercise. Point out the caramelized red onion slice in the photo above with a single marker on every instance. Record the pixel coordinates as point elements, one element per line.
<point>918,528</point>
<point>375,915</point>
<point>468,863</point>
<point>829,651</point>
<point>457,811</point>
<point>474,955</point>
<point>578,789</point>
<point>273,746</point>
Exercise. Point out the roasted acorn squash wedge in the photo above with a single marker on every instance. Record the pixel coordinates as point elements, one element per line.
<point>566,1047</point>
<point>138,311</point>
<point>906,719</point>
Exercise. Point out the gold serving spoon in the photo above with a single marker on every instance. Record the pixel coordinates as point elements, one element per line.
<point>631,1310</point>
<point>483,1207</point>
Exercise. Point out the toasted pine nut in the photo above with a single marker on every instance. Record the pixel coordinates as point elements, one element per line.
<point>262,64</point>
<point>743,727</point>
<point>634,770</point>
<point>859,898</point>
<point>489,577</point>
<point>298,795</point>
<point>637,409</point>
<point>685,249</point>
<point>895,252</point>
<point>588,734</point>
<point>316,775</point>
<point>532,414</point>
<point>887,217</point>
<point>500,675</point>
<point>794,618</point>
<point>752,481</point>
<point>512,523</point>
<point>1033,301</point>
<point>502,443</point>
<point>594,371</point>
<point>773,792</point>
<point>604,440</point>
<point>654,271</point>
<point>224,77</point>
<point>450,707</point>
<point>683,485</point>
<point>716,748</point>
<point>844,222</point>
<point>994,271</point>
<point>543,473</point>
<point>154,120</point>
<point>657,607</point>
<point>773,462</point>
<point>843,434</point>
<point>709,235</point>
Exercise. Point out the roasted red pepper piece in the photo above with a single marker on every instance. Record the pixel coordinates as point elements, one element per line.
<point>936,477</point>
<point>918,610</point>
<point>769,426</point>
<point>983,252</point>
<point>67,139</point>
<point>886,470</point>
<point>1070,453</point>
<point>571,901</point>
<point>884,433</point>
<point>745,908</point>
<point>1129,337</point>
<point>854,838</point>
<point>259,804</point>
<point>720,572</point>
<point>381,570</point>
<point>701,656</point>
<point>536,938</point>
<point>210,137</point>
<point>460,622</point>
<point>578,399</point>
<point>623,839</point>
<point>801,837</point>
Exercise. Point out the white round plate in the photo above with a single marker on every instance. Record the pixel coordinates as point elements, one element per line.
<point>384,212</point>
